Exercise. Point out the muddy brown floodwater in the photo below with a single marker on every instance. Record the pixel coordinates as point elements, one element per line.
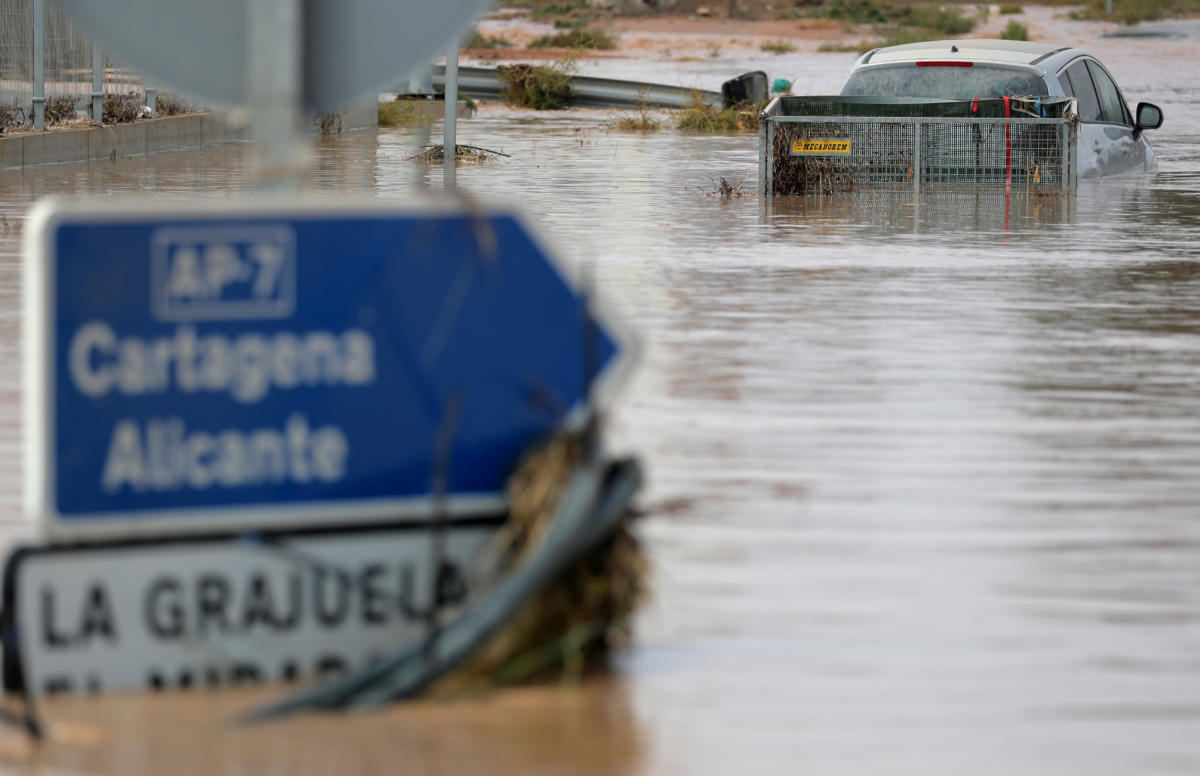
<point>923,491</point>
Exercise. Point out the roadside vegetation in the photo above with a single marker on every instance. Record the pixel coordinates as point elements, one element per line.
<point>476,40</point>
<point>1134,11</point>
<point>1014,30</point>
<point>12,117</point>
<point>896,23</point>
<point>61,109</point>
<point>837,47</point>
<point>864,11</point>
<point>577,39</point>
<point>642,123</point>
<point>541,87</point>
<point>777,47</point>
<point>403,113</point>
<point>702,118</point>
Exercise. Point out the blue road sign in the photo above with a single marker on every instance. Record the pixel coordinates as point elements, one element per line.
<point>246,366</point>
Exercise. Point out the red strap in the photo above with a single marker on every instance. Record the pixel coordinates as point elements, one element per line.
<point>975,105</point>
<point>1007,108</point>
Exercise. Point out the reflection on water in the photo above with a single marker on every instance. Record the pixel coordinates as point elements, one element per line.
<point>940,208</point>
<point>923,492</point>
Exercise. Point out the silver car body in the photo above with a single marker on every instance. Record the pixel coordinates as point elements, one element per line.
<point>1109,143</point>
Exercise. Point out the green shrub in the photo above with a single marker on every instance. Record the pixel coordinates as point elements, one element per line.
<point>1008,9</point>
<point>577,38</point>
<point>933,20</point>
<point>1015,31</point>
<point>558,9</point>
<point>857,11</point>
<point>541,87</point>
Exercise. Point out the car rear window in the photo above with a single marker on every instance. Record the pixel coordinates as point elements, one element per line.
<point>944,82</point>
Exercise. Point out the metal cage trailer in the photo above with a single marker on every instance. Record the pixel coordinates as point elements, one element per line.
<point>835,145</point>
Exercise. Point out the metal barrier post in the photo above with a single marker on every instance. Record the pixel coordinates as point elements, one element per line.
<point>97,82</point>
<point>39,64</point>
<point>151,98</point>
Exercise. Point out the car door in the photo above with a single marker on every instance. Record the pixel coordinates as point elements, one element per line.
<point>1106,142</point>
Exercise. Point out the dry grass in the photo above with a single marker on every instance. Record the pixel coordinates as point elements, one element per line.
<point>61,109</point>
<point>702,118</point>
<point>839,47</point>
<point>577,39</point>
<point>403,113</point>
<point>573,624</point>
<point>777,47</point>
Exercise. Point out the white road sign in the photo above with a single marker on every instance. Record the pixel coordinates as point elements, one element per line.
<point>222,612</point>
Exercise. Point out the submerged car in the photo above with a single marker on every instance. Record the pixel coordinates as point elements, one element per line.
<point>1111,139</point>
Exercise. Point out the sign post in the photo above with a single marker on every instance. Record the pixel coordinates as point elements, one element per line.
<point>274,28</point>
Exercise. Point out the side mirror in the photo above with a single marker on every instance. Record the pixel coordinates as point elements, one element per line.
<point>1148,117</point>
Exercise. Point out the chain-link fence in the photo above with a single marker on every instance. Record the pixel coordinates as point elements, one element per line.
<point>67,65</point>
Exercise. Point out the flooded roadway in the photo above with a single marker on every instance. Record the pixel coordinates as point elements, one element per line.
<point>923,488</point>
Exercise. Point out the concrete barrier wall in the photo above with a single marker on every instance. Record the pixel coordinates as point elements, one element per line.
<point>148,136</point>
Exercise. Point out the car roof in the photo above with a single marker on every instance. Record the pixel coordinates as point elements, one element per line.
<point>1016,52</point>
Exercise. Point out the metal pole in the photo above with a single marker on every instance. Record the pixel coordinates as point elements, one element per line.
<point>97,82</point>
<point>917,158</point>
<point>450,125</point>
<point>1108,7</point>
<point>274,41</point>
<point>39,64</point>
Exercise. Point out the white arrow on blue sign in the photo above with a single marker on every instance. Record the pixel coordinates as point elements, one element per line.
<point>243,366</point>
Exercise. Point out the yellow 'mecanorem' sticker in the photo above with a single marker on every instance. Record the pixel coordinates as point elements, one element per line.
<point>820,146</point>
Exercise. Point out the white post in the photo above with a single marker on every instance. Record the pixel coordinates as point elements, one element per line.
<point>39,64</point>
<point>97,81</point>
<point>450,125</point>
<point>274,40</point>
<point>151,97</point>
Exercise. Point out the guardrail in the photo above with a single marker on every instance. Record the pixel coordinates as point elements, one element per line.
<point>586,92</point>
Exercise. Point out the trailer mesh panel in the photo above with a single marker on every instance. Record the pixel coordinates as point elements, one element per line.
<point>1022,152</point>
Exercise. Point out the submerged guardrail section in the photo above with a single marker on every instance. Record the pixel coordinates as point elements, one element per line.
<point>834,145</point>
